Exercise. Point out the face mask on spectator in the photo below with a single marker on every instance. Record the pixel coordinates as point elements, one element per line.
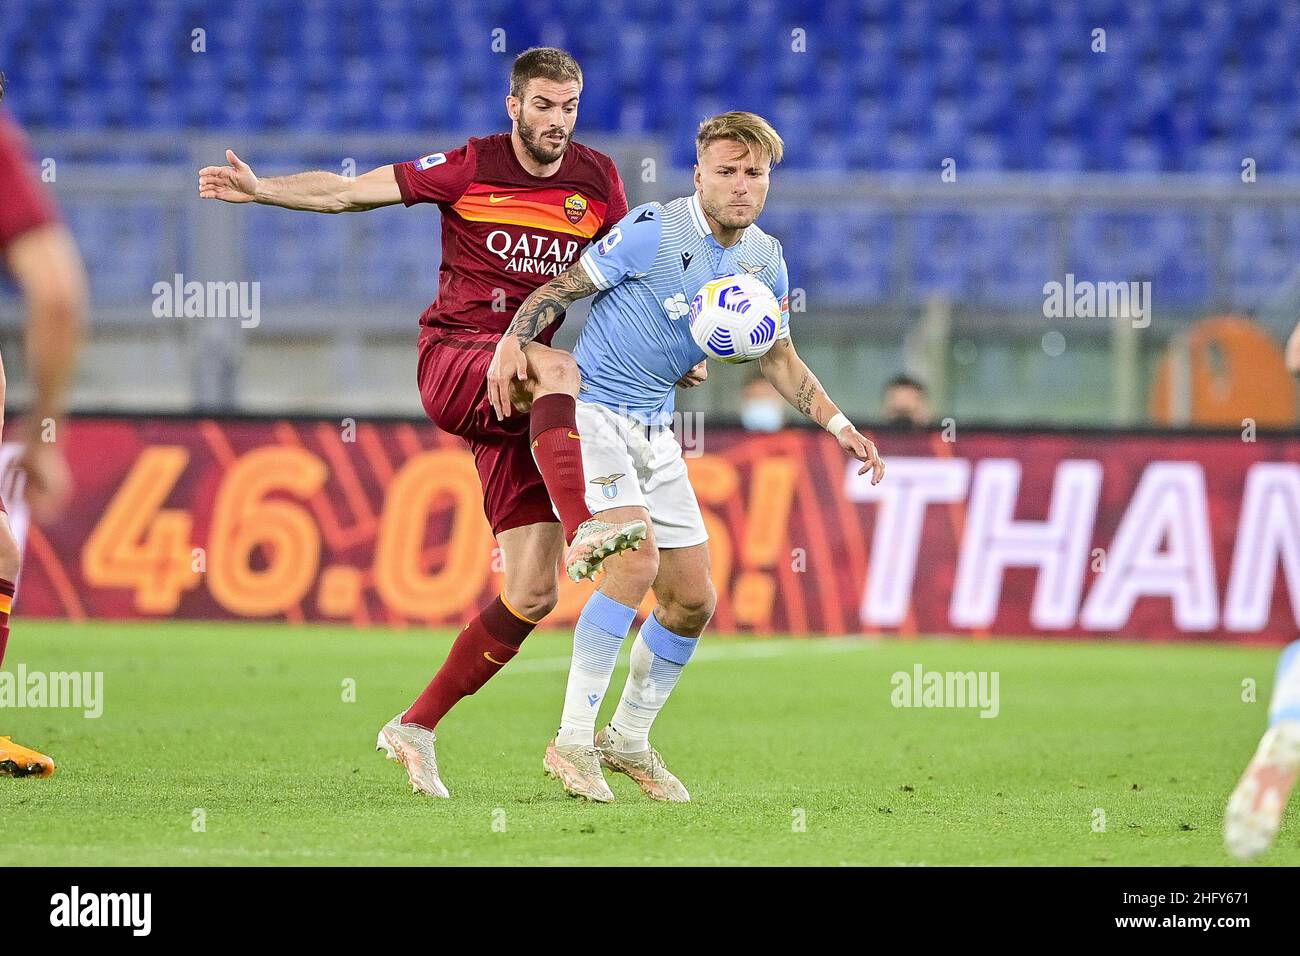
<point>761,415</point>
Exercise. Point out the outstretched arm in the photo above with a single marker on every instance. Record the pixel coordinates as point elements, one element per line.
<point>48,269</point>
<point>788,374</point>
<point>543,306</point>
<point>313,192</point>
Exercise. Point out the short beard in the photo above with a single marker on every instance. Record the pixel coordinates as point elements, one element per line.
<point>725,219</point>
<point>533,145</point>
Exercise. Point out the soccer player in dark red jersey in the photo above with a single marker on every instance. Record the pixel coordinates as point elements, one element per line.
<point>518,209</point>
<point>39,254</point>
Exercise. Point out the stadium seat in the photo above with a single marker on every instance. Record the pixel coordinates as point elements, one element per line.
<point>874,85</point>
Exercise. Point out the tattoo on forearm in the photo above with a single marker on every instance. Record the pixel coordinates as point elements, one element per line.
<point>547,303</point>
<point>809,396</point>
<point>805,399</point>
<point>806,392</point>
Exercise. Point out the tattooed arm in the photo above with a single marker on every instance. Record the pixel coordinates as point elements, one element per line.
<point>788,374</point>
<point>548,302</point>
<point>543,306</point>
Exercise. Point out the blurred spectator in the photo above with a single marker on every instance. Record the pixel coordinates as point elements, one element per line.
<point>905,402</point>
<point>762,409</point>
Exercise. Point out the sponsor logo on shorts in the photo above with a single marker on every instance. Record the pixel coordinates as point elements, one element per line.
<point>608,485</point>
<point>430,161</point>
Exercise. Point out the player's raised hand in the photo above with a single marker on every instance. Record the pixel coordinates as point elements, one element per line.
<point>863,449</point>
<point>508,365</point>
<point>233,183</point>
<point>695,376</point>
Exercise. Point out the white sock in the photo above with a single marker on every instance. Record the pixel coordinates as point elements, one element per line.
<point>658,657</point>
<point>1286,687</point>
<point>599,634</point>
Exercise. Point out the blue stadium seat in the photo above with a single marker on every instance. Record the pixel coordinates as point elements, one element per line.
<point>877,85</point>
<point>1176,75</point>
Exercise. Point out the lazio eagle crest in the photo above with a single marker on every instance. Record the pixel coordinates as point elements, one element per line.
<point>608,485</point>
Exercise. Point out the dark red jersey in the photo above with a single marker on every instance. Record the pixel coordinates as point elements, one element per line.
<point>24,201</point>
<point>505,231</point>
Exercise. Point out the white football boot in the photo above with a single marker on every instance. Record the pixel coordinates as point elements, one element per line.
<point>412,747</point>
<point>596,540</point>
<point>1255,808</point>
<point>646,767</point>
<point>577,767</point>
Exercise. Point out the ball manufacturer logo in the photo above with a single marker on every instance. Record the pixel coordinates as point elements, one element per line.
<point>737,303</point>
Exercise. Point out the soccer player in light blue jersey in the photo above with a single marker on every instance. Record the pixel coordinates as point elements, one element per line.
<point>1255,809</point>
<point>634,351</point>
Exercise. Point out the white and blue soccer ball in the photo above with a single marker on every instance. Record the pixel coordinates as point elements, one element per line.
<point>735,319</point>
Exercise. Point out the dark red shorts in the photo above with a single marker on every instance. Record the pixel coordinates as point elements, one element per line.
<point>453,386</point>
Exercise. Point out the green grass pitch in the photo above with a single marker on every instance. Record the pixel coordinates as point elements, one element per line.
<point>792,750</point>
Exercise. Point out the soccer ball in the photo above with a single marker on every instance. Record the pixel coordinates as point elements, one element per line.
<point>735,319</point>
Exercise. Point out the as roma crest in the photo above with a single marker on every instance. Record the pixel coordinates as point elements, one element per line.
<point>575,207</point>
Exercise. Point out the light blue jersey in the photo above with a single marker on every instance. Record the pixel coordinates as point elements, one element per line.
<point>637,341</point>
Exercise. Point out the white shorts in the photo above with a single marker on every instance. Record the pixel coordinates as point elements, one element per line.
<point>629,464</point>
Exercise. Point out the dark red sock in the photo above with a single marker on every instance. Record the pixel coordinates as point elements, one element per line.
<point>6,602</point>
<point>553,429</point>
<point>480,650</point>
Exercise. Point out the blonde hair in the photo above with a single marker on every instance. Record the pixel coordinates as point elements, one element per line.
<point>748,129</point>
